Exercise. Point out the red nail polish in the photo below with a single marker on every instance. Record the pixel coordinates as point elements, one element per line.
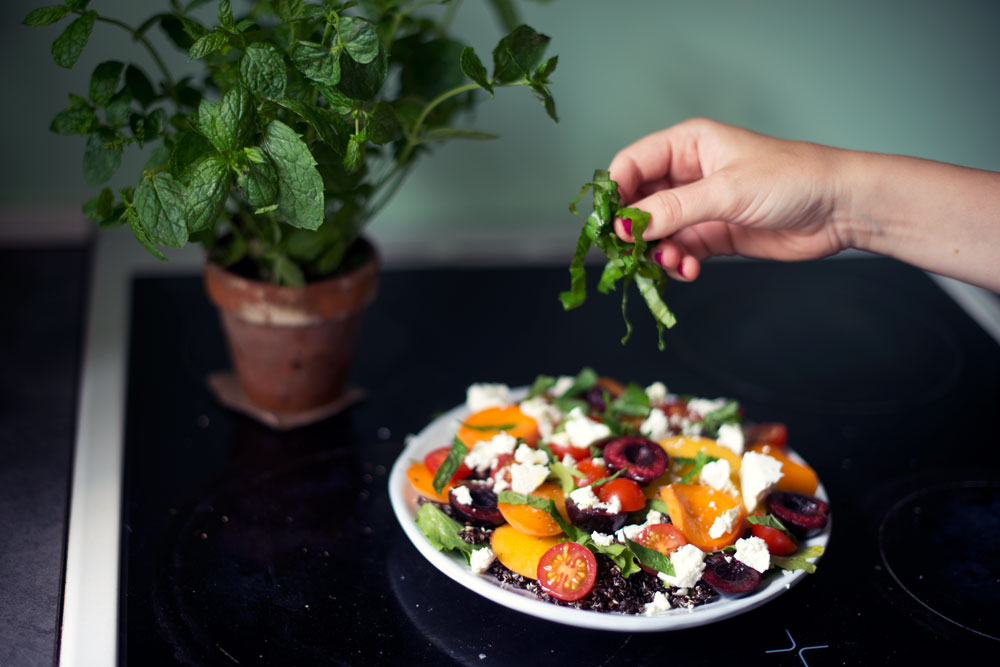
<point>680,269</point>
<point>627,224</point>
<point>658,257</point>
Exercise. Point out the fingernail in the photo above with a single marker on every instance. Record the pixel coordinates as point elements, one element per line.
<point>680,269</point>
<point>627,225</point>
<point>658,257</point>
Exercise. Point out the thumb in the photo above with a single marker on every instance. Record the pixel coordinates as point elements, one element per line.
<point>711,198</point>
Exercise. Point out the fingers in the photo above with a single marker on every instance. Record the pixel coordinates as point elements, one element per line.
<point>672,153</point>
<point>715,197</point>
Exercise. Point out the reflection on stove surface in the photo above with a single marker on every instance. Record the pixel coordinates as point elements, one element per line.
<point>873,357</point>
<point>942,546</point>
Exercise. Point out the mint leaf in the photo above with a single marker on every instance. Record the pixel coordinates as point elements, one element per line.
<point>441,530</point>
<point>159,202</point>
<point>565,474</point>
<point>263,70</point>
<point>359,39</point>
<point>234,122</point>
<point>74,119</point>
<point>382,125</point>
<point>118,109</point>
<point>517,54</point>
<point>651,558</point>
<point>188,148</point>
<point>699,462</point>
<point>487,427</point>
<point>259,182</point>
<point>77,5</point>
<point>730,412</point>
<point>543,71</point>
<point>541,385</point>
<point>633,402</point>
<point>450,464</point>
<point>658,505</point>
<point>173,28</point>
<point>140,234</point>
<point>319,63</point>
<point>797,561</point>
<point>355,155</point>
<point>320,119</point>
<point>300,187</point>
<point>288,10</point>
<point>45,15</point>
<point>104,81</point>
<point>226,15</point>
<point>100,208</point>
<point>69,45</point>
<point>283,270</point>
<point>621,555</point>
<point>605,480</point>
<point>583,381</point>
<point>139,85</point>
<point>473,68</point>
<point>207,191</point>
<point>362,81</point>
<point>771,521</point>
<point>547,505</point>
<point>101,157</point>
<point>207,44</point>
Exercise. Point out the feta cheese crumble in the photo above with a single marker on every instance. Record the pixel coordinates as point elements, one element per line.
<point>731,437</point>
<point>657,393</point>
<point>486,395</point>
<point>585,499</point>
<point>716,474</point>
<point>481,559</point>
<point>528,454</point>
<point>582,430</point>
<point>752,551</point>
<point>655,426</point>
<point>462,495</point>
<point>544,413</point>
<point>660,604</point>
<point>526,477</point>
<point>724,523</point>
<point>602,539</point>
<point>484,453</point>
<point>702,406</point>
<point>562,385</point>
<point>758,475</point>
<point>689,563</point>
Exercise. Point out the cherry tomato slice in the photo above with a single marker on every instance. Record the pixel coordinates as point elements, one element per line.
<point>567,571</point>
<point>628,492</point>
<point>662,537</point>
<point>503,461</point>
<point>434,459</point>
<point>578,453</point>
<point>778,543</point>
<point>592,471</point>
<point>768,433</point>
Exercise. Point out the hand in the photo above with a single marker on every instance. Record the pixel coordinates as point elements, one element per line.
<point>715,189</point>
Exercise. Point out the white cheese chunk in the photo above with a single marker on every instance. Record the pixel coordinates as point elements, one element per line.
<point>657,393</point>
<point>731,437</point>
<point>724,523</point>
<point>716,474</point>
<point>500,485</point>
<point>629,532</point>
<point>585,498</point>
<point>659,605</point>
<point>568,460</point>
<point>702,406</point>
<point>544,413</point>
<point>758,475</point>
<point>602,539</point>
<point>689,563</point>
<point>582,430</point>
<point>526,477</point>
<point>562,385</point>
<point>752,551</point>
<point>481,559</point>
<point>528,454</point>
<point>655,426</point>
<point>486,395</point>
<point>462,495</point>
<point>484,453</point>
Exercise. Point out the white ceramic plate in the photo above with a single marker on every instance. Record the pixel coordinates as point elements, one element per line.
<point>404,503</point>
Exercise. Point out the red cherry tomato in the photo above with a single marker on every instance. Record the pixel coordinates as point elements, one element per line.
<point>434,459</point>
<point>503,461</point>
<point>578,453</point>
<point>778,543</point>
<point>769,433</point>
<point>592,471</point>
<point>662,537</point>
<point>567,571</point>
<point>628,492</point>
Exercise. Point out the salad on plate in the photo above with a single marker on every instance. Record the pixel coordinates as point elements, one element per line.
<point>585,492</point>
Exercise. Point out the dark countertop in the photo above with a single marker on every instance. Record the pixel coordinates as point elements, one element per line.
<point>42,297</point>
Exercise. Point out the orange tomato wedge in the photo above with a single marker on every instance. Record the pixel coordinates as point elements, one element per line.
<point>533,521</point>
<point>693,509</point>
<point>422,479</point>
<point>794,476</point>
<point>485,424</point>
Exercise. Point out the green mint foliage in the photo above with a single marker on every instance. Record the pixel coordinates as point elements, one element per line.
<point>441,530</point>
<point>626,261</point>
<point>566,475</point>
<point>700,459</point>
<point>159,201</point>
<point>300,186</point>
<point>263,70</point>
<point>651,558</point>
<point>70,44</point>
<point>287,140</point>
<point>727,414</point>
<point>659,506</point>
<point>799,559</point>
<point>633,402</point>
<point>45,15</point>
<point>541,385</point>
<point>450,464</point>
<point>584,380</point>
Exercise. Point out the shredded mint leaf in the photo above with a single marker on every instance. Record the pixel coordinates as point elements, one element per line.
<point>728,413</point>
<point>621,555</point>
<point>565,474</point>
<point>633,402</point>
<point>450,464</point>
<point>797,561</point>
<point>605,480</point>
<point>658,505</point>
<point>541,385</point>
<point>566,405</point>
<point>487,427</point>
<point>584,380</point>
<point>441,530</point>
<point>549,506</point>
<point>772,522</point>
<point>300,186</point>
<point>70,44</point>
<point>651,558</point>
<point>699,462</point>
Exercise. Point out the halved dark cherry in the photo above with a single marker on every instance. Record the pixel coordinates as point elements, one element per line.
<point>728,575</point>
<point>642,459</point>
<point>591,519</point>
<point>483,511</point>
<point>804,515</point>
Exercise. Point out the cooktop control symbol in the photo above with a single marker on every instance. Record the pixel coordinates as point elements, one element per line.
<point>793,647</point>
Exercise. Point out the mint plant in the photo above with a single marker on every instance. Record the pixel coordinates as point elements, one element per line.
<point>306,120</point>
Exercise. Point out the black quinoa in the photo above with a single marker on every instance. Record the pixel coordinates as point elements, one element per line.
<point>475,534</point>
<point>612,592</point>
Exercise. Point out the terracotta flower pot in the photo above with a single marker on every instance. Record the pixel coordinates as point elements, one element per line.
<point>293,346</point>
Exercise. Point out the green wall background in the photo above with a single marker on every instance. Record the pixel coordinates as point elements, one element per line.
<point>914,77</point>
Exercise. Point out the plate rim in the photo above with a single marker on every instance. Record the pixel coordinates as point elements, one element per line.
<point>403,498</point>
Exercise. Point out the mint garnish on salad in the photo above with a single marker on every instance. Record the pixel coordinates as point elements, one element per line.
<point>626,262</point>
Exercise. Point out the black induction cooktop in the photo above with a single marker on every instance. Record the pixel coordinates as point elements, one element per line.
<point>246,546</point>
